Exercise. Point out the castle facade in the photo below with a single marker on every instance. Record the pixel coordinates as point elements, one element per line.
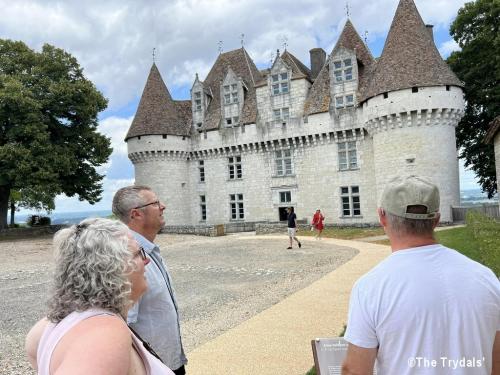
<point>251,142</point>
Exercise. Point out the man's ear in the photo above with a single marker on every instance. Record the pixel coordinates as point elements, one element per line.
<point>436,220</point>
<point>381,217</point>
<point>134,214</point>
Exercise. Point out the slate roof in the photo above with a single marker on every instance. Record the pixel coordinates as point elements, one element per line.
<point>493,130</point>
<point>319,96</point>
<point>158,113</point>
<point>243,66</point>
<point>299,70</point>
<point>410,57</point>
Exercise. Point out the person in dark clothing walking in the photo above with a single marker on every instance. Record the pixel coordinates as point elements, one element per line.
<point>292,227</point>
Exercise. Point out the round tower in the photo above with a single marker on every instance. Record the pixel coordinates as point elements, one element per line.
<point>411,107</point>
<point>158,146</point>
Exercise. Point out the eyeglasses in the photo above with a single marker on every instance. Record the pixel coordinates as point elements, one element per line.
<point>149,204</point>
<point>142,253</point>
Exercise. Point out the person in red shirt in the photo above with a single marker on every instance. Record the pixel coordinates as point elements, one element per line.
<point>317,223</point>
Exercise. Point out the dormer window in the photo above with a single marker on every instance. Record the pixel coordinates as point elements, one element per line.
<point>281,114</point>
<point>344,101</point>
<point>343,70</point>
<point>349,99</point>
<point>280,83</point>
<point>231,93</point>
<point>197,101</point>
<point>230,121</point>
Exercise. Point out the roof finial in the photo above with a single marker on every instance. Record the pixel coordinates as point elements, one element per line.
<point>242,39</point>
<point>366,37</point>
<point>278,52</point>
<point>285,44</point>
<point>347,9</point>
<point>154,49</point>
<point>221,43</point>
<point>272,59</point>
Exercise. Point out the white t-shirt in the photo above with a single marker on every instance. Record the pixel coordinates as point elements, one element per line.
<point>429,310</point>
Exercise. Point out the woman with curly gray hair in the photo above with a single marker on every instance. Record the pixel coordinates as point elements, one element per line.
<point>99,275</point>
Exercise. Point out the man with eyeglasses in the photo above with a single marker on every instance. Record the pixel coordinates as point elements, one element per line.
<point>155,316</point>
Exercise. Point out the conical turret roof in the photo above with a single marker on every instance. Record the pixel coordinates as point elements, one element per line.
<point>410,57</point>
<point>158,113</point>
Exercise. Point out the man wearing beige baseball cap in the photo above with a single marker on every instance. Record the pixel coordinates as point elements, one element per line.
<point>425,308</point>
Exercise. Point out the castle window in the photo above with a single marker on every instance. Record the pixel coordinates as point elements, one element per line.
<point>447,87</point>
<point>203,208</point>
<point>414,89</point>
<point>199,125</point>
<point>236,206</point>
<point>234,166</point>
<point>349,100</point>
<point>231,93</point>
<point>164,136</point>
<point>386,95</point>
<point>281,114</point>
<point>285,196</point>
<point>339,101</point>
<point>283,159</point>
<point>347,155</point>
<point>342,70</point>
<point>280,83</point>
<point>349,201</point>
<point>197,101</point>
<point>232,121</point>
<point>348,74</point>
<point>201,170</point>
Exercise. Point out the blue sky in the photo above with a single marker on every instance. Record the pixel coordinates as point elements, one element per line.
<point>113,41</point>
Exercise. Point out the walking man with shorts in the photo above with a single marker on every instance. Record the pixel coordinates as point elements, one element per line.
<point>292,227</point>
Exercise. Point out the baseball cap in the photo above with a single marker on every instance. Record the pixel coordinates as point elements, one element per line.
<point>402,192</point>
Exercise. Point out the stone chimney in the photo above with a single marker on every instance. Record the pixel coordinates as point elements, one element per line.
<point>429,29</point>
<point>318,58</point>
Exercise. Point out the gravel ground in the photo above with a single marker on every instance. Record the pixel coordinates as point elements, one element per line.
<point>220,282</point>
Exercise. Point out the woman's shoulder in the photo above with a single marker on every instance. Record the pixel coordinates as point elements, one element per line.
<point>96,343</point>
<point>33,339</point>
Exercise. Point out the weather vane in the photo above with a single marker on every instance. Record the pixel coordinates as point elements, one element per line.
<point>154,49</point>
<point>221,43</point>
<point>272,59</point>
<point>347,9</point>
<point>366,36</point>
<point>285,44</point>
<point>242,39</point>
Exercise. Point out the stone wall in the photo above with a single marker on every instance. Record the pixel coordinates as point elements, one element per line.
<point>281,228</point>
<point>18,233</point>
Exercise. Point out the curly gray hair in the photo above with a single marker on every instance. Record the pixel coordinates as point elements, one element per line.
<point>92,264</point>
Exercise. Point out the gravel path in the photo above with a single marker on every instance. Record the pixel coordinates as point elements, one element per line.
<point>220,282</point>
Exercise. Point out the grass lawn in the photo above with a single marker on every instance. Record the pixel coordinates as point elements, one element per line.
<point>345,233</point>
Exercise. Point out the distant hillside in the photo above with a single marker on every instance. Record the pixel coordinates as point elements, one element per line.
<point>472,197</point>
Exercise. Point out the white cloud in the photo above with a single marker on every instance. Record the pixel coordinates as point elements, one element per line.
<point>446,48</point>
<point>116,128</point>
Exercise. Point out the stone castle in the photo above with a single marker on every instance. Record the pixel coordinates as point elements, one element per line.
<point>251,142</point>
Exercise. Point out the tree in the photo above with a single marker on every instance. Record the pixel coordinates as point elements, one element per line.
<point>31,199</point>
<point>476,30</point>
<point>49,143</point>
